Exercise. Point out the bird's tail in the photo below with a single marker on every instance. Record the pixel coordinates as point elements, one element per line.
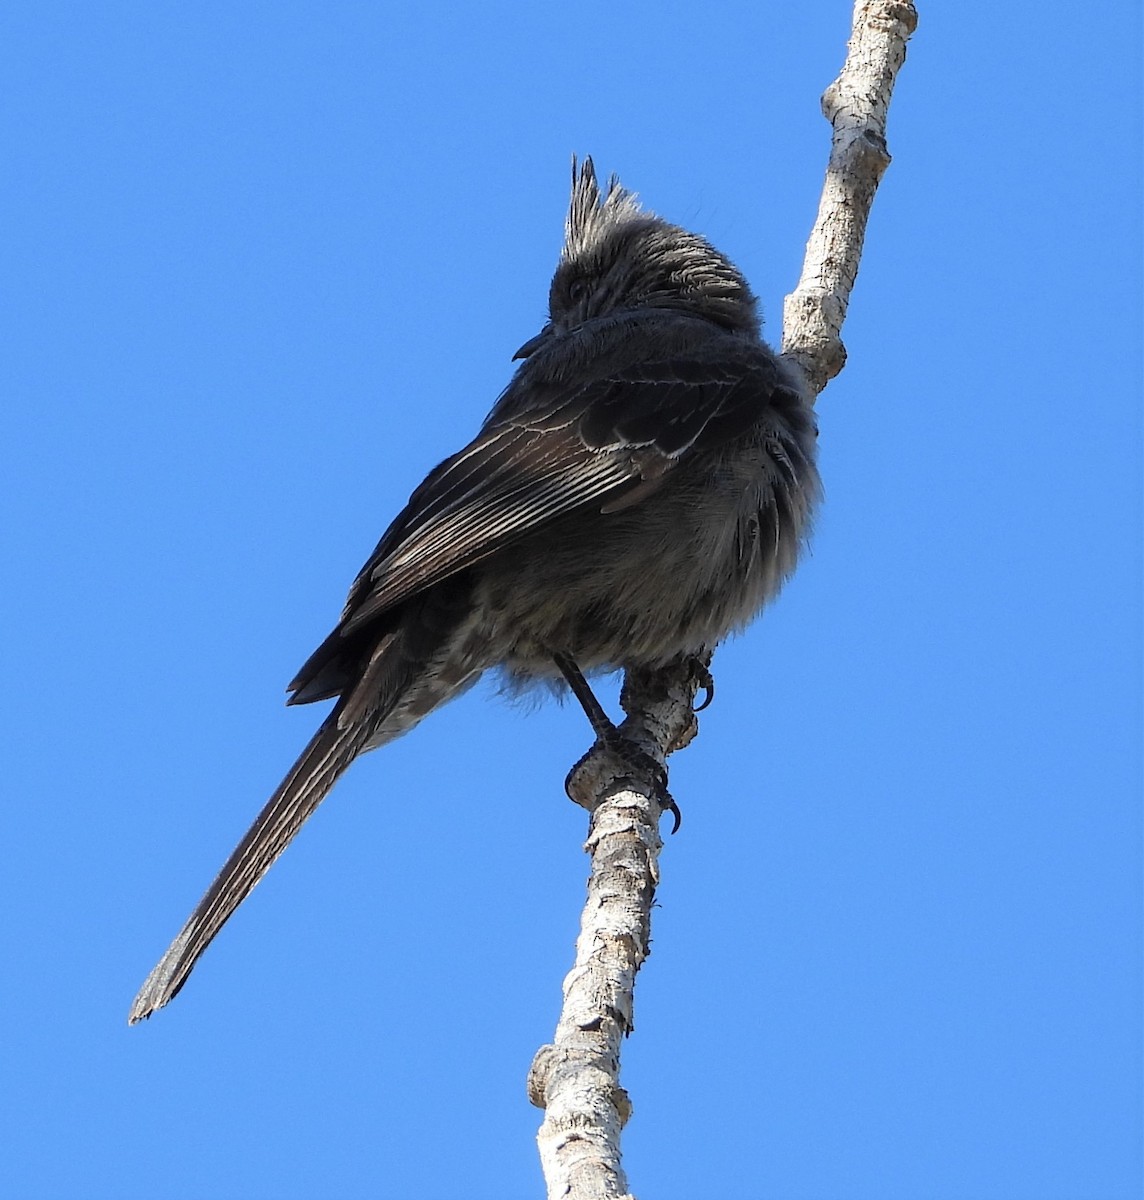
<point>409,670</point>
<point>330,751</point>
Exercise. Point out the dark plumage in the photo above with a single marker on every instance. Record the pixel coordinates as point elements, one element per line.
<point>642,487</point>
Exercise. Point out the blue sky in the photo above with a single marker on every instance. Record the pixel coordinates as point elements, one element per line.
<point>263,265</point>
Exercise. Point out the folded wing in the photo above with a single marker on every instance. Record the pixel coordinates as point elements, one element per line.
<point>547,449</point>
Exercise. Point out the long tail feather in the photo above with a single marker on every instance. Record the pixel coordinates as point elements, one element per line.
<point>331,750</point>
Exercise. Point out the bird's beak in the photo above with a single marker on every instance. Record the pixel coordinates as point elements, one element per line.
<point>534,344</point>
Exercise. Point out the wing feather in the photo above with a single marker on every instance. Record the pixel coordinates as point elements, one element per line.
<point>607,440</point>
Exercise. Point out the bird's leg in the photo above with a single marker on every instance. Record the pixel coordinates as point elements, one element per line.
<point>602,724</point>
<point>611,739</point>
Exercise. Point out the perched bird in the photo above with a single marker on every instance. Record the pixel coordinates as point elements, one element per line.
<point>642,487</point>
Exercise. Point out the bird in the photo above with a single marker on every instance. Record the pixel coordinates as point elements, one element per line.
<point>641,489</point>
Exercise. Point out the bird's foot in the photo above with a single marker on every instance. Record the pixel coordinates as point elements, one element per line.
<point>619,757</point>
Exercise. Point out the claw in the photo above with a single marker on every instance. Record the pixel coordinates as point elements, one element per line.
<point>705,680</point>
<point>669,805</point>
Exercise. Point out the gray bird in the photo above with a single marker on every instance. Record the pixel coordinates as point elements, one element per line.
<point>642,487</point>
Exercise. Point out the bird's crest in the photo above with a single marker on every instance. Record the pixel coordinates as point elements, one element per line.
<point>591,216</point>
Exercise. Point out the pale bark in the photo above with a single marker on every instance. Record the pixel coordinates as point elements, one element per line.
<point>576,1079</point>
<point>855,104</point>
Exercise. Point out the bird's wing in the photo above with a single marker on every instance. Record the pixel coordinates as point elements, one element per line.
<point>604,442</point>
<point>505,483</point>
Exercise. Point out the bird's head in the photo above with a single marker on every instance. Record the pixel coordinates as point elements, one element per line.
<point>616,256</point>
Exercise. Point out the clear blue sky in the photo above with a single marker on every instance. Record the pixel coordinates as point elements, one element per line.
<point>262,266</point>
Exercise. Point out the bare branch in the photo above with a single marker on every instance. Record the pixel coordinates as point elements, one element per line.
<point>576,1079</point>
<point>855,104</point>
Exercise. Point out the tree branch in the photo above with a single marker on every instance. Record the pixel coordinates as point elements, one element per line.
<point>855,104</point>
<point>576,1079</point>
